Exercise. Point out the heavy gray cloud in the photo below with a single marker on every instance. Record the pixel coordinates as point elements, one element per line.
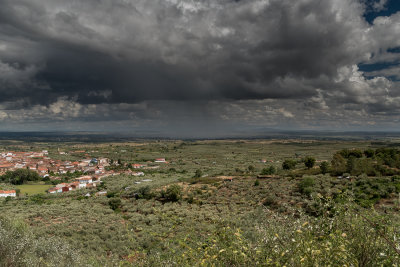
<point>95,60</point>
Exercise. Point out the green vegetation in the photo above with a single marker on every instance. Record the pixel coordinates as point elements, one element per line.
<point>207,207</point>
<point>172,193</point>
<point>32,189</point>
<point>289,164</point>
<point>306,185</point>
<point>20,176</point>
<point>268,171</point>
<point>19,246</point>
<point>309,162</point>
<point>324,167</point>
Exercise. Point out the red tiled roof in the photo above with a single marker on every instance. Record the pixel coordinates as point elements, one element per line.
<point>7,191</point>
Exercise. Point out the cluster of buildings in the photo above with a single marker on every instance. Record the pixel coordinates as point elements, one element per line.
<point>45,166</point>
<point>40,162</point>
<point>86,181</point>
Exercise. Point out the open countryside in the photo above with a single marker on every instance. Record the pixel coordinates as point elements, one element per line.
<point>231,202</point>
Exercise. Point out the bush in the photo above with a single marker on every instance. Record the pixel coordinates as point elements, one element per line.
<point>111,194</point>
<point>173,193</point>
<point>309,162</point>
<point>306,185</point>
<point>37,199</point>
<point>115,203</point>
<point>270,202</point>
<point>144,192</point>
<point>198,173</point>
<point>289,164</point>
<point>268,171</point>
<point>324,166</point>
<point>257,183</point>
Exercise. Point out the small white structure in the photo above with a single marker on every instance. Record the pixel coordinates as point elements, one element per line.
<point>52,190</point>
<point>138,174</point>
<point>84,181</point>
<point>8,193</point>
<point>160,160</point>
<point>138,166</point>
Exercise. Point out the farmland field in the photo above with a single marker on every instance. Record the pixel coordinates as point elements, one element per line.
<point>32,189</point>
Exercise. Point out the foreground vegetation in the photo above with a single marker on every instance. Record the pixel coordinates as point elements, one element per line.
<point>217,204</point>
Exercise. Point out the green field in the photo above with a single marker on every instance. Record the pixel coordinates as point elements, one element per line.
<point>32,189</point>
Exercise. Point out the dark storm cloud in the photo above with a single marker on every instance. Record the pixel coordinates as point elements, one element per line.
<point>179,50</point>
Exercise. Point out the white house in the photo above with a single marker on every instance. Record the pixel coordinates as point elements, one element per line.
<point>138,166</point>
<point>8,193</point>
<point>52,190</point>
<point>160,160</point>
<point>84,180</point>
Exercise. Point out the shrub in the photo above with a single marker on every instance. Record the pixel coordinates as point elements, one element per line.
<point>270,202</point>
<point>115,203</point>
<point>111,194</point>
<point>37,199</point>
<point>268,171</point>
<point>198,173</point>
<point>144,192</point>
<point>309,162</point>
<point>289,164</point>
<point>257,183</point>
<point>172,193</point>
<point>306,185</point>
<point>324,166</point>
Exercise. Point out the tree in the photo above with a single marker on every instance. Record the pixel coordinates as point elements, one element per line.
<point>289,164</point>
<point>369,153</point>
<point>338,164</point>
<point>309,162</point>
<point>144,192</point>
<point>173,193</point>
<point>20,176</point>
<point>268,171</point>
<point>115,203</point>
<point>324,166</point>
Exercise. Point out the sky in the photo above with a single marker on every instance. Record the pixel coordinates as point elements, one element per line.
<point>199,67</point>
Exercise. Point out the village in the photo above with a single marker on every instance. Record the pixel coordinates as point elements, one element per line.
<point>92,169</point>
